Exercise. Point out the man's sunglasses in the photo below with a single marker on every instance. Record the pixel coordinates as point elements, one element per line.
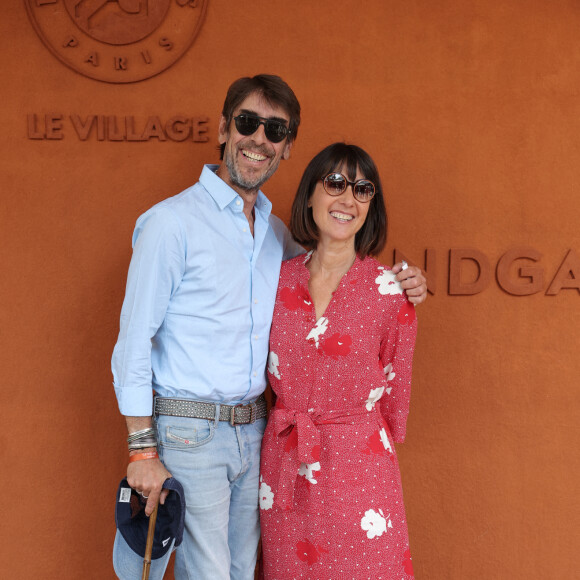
<point>336,183</point>
<point>275,131</point>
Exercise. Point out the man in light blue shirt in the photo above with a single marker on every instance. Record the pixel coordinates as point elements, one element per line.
<point>194,328</point>
<point>199,282</point>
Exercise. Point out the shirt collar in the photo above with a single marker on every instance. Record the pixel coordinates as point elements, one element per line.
<point>224,195</point>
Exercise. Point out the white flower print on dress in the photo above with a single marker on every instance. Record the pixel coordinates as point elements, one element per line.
<point>390,376</point>
<point>308,469</point>
<point>375,524</point>
<point>266,495</point>
<point>385,440</point>
<point>387,283</point>
<point>374,396</point>
<point>389,372</point>
<point>318,330</point>
<point>273,363</point>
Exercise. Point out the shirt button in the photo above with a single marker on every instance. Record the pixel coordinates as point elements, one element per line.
<point>238,202</point>
<point>245,230</point>
<point>255,374</point>
<point>255,337</point>
<point>255,301</point>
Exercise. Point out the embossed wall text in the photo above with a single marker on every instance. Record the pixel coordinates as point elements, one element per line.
<point>54,126</point>
<point>519,271</point>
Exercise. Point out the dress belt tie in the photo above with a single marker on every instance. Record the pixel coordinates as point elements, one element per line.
<point>303,442</point>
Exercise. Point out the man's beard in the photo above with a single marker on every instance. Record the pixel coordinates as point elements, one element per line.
<point>248,184</point>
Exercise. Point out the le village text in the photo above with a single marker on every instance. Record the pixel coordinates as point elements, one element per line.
<point>54,126</point>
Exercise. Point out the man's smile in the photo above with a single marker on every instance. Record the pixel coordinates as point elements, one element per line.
<point>253,156</point>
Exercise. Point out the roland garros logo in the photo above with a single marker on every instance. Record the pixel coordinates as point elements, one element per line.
<point>117,41</point>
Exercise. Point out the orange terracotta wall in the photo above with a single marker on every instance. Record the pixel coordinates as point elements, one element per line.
<point>472,113</point>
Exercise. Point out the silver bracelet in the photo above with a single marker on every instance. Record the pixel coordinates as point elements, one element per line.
<point>140,434</point>
<point>142,444</point>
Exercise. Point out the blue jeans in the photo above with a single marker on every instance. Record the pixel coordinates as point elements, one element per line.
<point>219,468</point>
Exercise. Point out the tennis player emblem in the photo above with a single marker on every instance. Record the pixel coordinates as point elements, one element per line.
<point>117,41</point>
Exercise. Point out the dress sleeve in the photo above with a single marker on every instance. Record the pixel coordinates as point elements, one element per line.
<point>396,355</point>
<point>155,272</point>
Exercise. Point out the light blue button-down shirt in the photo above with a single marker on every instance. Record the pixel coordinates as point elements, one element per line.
<point>200,294</point>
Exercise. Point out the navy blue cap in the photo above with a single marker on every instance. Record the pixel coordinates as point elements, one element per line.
<point>133,524</point>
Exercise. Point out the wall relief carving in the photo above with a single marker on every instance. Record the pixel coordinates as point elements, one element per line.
<point>117,41</point>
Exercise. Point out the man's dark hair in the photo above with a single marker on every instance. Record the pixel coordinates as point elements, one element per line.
<point>371,238</point>
<point>272,89</point>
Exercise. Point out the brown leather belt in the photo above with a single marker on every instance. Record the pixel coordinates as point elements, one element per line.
<point>235,414</point>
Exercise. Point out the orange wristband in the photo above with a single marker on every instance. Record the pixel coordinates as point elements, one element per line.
<point>141,456</point>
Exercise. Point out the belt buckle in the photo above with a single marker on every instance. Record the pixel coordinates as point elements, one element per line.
<point>233,415</point>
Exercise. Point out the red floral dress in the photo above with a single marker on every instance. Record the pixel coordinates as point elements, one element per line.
<point>331,501</point>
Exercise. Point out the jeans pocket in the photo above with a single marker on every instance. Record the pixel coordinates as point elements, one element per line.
<point>195,434</point>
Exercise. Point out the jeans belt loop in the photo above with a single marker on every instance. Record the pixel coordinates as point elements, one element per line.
<point>253,412</point>
<point>233,416</point>
<point>216,419</point>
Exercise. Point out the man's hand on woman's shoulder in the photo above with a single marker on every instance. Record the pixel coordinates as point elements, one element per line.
<point>413,282</point>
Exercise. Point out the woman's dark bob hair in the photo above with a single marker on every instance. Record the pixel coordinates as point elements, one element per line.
<point>371,238</point>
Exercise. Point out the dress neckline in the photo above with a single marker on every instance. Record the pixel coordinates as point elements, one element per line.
<point>305,278</point>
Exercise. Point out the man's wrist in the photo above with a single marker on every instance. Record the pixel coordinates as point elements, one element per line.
<point>143,456</point>
<point>141,439</point>
<point>146,450</point>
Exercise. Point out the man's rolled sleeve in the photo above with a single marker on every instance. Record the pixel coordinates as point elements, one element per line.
<point>155,272</point>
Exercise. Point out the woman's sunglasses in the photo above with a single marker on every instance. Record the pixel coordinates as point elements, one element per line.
<point>275,131</point>
<point>336,183</point>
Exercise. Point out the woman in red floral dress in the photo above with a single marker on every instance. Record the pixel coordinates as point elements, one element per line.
<point>341,350</point>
